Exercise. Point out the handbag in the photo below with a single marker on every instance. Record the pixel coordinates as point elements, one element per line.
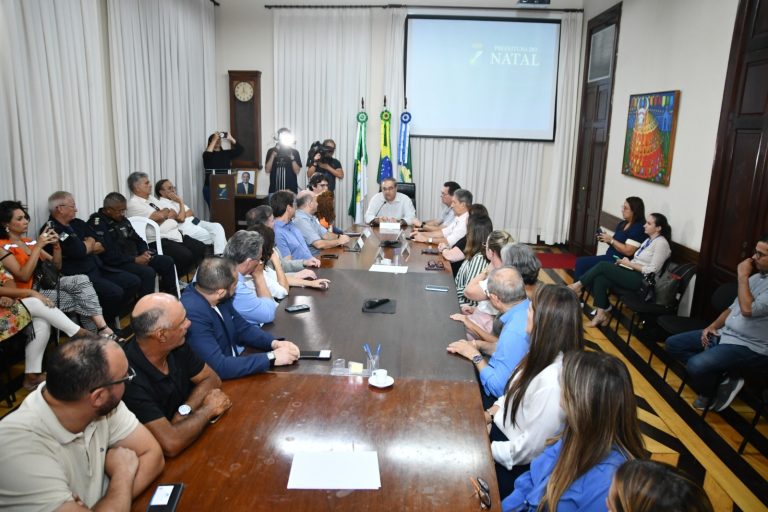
<point>647,289</point>
<point>46,275</point>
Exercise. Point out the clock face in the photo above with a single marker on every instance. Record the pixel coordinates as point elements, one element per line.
<point>244,91</point>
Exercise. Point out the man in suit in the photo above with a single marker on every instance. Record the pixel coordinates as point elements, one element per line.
<point>245,187</point>
<point>219,335</point>
<point>174,394</point>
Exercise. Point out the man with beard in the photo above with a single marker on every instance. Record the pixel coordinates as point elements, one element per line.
<point>219,335</point>
<point>72,443</point>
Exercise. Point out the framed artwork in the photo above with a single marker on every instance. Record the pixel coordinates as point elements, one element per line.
<point>245,183</point>
<point>650,139</point>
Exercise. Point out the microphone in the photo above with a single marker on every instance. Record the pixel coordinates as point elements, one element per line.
<point>376,215</point>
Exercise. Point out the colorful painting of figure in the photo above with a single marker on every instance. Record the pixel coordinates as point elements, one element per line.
<point>650,138</point>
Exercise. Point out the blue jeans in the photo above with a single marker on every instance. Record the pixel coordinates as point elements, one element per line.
<point>708,367</point>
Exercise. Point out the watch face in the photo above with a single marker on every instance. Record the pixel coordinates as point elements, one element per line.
<point>184,409</point>
<point>244,91</point>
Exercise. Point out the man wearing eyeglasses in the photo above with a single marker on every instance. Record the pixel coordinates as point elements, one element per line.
<point>736,341</point>
<point>447,214</point>
<point>389,205</point>
<point>175,394</point>
<point>80,254</point>
<point>72,443</point>
<point>321,160</point>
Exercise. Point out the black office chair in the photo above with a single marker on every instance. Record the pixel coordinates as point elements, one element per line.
<point>721,299</point>
<point>408,189</point>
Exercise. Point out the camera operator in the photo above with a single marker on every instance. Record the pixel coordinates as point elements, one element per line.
<point>320,159</point>
<point>216,158</point>
<point>283,163</point>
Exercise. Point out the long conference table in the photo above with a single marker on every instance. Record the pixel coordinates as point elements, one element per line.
<point>428,428</point>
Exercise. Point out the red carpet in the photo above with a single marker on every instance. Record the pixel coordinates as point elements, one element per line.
<point>563,260</point>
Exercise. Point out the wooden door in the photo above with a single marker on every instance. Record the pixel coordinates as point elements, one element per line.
<point>737,208</point>
<point>594,123</point>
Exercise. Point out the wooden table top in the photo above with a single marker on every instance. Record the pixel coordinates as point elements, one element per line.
<point>413,340</point>
<point>366,257</point>
<point>420,430</point>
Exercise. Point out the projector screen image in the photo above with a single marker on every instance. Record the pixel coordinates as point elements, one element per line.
<point>481,78</point>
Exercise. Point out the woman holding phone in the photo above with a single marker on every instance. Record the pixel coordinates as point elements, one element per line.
<point>625,273</point>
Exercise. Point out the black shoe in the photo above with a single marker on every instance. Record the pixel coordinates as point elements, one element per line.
<point>726,392</point>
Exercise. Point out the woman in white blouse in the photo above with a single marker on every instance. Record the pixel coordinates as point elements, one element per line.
<point>530,413</point>
<point>625,273</point>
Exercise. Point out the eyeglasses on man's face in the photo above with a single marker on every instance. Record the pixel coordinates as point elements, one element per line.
<point>128,378</point>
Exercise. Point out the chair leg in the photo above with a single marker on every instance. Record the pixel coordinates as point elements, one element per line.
<point>752,428</point>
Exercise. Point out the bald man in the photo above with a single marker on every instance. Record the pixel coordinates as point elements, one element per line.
<point>174,394</point>
<point>315,235</point>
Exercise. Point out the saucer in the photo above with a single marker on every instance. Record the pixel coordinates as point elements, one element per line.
<point>387,382</point>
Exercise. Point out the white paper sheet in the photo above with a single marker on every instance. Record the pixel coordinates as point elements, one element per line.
<point>335,470</point>
<point>391,269</point>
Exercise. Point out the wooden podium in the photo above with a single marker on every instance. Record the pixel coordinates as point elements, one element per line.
<point>227,208</point>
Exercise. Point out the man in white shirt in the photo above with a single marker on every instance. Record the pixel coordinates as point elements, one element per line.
<point>446,213</point>
<point>185,250</point>
<point>390,206</point>
<point>456,230</point>
<point>206,232</point>
<point>72,443</point>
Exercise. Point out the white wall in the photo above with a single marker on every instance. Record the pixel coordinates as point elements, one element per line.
<point>667,45</point>
<point>244,41</point>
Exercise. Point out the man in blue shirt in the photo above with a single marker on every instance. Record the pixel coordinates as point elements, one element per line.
<point>253,299</point>
<point>315,235</point>
<point>506,291</point>
<point>218,334</point>
<point>288,239</point>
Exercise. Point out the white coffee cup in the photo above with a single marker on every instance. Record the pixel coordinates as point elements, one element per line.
<point>380,377</point>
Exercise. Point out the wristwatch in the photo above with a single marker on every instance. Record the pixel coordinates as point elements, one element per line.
<point>185,409</point>
<point>271,357</point>
<point>476,359</point>
<point>430,239</point>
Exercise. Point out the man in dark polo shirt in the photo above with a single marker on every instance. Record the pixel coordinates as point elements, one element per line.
<point>174,394</point>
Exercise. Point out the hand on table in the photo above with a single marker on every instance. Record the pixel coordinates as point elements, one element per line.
<point>286,352</point>
<point>312,262</point>
<point>217,402</point>
<point>463,348</point>
<point>305,274</point>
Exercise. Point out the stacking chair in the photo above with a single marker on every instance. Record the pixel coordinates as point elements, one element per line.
<point>140,225</point>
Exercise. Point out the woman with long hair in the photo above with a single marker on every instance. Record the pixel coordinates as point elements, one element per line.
<point>75,293</point>
<point>529,413</point>
<point>601,433</point>
<point>625,273</point>
<point>626,238</point>
<point>326,213</point>
<point>649,486</point>
<point>478,320</point>
<point>475,260</point>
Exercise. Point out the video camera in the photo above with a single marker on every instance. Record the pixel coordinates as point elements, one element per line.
<point>317,147</point>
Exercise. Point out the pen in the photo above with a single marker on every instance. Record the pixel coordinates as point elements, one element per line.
<point>378,350</point>
<point>367,350</point>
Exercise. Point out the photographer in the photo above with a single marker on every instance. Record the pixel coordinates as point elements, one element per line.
<point>216,158</point>
<point>285,161</point>
<point>320,159</point>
